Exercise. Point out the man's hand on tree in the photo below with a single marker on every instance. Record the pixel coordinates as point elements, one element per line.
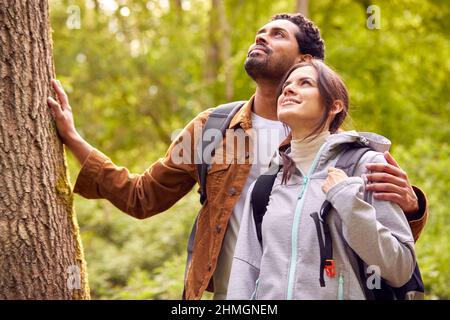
<point>63,113</point>
<point>65,124</point>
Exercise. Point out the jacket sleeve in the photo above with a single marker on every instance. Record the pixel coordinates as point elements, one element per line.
<point>247,257</point>
<point>155,190</point>
<point>379,232</point>
<point>418,220</point>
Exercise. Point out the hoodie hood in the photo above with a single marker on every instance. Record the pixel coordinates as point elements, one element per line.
<point>336,142</point>
<point>367,139</point>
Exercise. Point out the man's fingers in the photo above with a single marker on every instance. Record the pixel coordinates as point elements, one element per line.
<point>384,188</point>
<point>62,96</point>
<point>390,159</point>
<point>54,106</point>
<point>387,168</point>
<point>386,178</point>
<point>389,197</point>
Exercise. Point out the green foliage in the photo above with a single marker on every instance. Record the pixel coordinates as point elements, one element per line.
<point>139,69</point>
<point>427,162</point>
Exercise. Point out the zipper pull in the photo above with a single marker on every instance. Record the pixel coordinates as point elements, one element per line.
<point>341,286</point>
<point>305,181</point>
<point>330,269</point>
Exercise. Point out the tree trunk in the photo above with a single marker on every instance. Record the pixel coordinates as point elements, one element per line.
<point>219,51</point>
<point>226,56</point>
<point>212,63</point>
<point>177,7</point>
<point>302,7</point>
<point>41,255</point>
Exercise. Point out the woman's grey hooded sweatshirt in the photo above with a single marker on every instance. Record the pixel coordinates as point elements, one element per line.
<point>287,266</point>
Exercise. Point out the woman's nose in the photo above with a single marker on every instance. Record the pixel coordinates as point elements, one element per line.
<point>289,90</point>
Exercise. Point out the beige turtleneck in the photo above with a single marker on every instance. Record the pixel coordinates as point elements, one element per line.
<point>304,151</point>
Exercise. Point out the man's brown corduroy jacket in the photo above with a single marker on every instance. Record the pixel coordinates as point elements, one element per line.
<point>167,181</point>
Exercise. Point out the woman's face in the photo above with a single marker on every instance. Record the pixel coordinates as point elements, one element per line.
<point>299,105</point>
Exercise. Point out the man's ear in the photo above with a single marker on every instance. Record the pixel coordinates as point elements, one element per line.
<point>304,58</point>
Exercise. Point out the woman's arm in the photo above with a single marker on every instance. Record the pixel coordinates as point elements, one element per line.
<point>389,182</point>
<point>379,232</point>
<point>247,257</point>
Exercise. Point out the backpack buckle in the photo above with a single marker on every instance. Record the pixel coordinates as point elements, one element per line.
<point>364,141</point>
<point>330,269</point>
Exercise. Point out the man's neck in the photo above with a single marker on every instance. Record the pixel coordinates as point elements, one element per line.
<point>265,102</point>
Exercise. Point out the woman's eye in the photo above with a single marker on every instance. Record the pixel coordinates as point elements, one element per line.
<point>279,34</point>
<point>305,83</point>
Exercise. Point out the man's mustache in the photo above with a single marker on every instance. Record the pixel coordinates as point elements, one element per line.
<point>261,47</point>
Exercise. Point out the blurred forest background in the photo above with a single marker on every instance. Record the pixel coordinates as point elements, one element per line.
<point>136,70</point>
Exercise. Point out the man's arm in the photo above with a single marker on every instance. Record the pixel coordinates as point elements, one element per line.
<point>418,221</point>
<point>141,196</point>
<point>389,182</point>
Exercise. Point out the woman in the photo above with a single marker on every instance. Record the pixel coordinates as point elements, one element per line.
<point>313,102</point>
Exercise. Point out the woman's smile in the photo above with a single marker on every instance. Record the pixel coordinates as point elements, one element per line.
<point>290,101</point>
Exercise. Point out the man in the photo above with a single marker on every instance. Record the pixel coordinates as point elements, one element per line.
<point>284,41</point>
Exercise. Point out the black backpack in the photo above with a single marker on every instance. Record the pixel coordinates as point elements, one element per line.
<point>220,118</point>
<point>412,290</point>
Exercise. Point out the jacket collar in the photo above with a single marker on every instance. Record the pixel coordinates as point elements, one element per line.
<point>243,117</point>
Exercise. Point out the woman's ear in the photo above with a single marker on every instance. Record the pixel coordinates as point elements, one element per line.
<point>337,107</point>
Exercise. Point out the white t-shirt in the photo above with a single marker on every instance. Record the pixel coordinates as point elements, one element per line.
<point>268,135</point>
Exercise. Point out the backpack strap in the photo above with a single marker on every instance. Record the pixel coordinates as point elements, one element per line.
<point>325,243</point>
<point>220,118</point>
<point>350,158</point>
<point>260,199</point>
<point>347,162</point>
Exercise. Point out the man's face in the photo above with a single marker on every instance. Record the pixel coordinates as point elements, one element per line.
<point>275,50</point>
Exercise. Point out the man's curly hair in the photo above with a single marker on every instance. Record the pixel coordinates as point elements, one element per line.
<point>308,39</point>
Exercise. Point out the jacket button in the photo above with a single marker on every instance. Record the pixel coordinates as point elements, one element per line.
<point>218,228</point>
<point>232,191</point>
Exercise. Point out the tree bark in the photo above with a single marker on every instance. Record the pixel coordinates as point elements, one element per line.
<point>41,255</point>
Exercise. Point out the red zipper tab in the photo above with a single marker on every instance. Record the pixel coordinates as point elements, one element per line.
<point>330,269</point>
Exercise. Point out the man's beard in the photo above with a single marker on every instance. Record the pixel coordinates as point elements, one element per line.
<point>263,69</point>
